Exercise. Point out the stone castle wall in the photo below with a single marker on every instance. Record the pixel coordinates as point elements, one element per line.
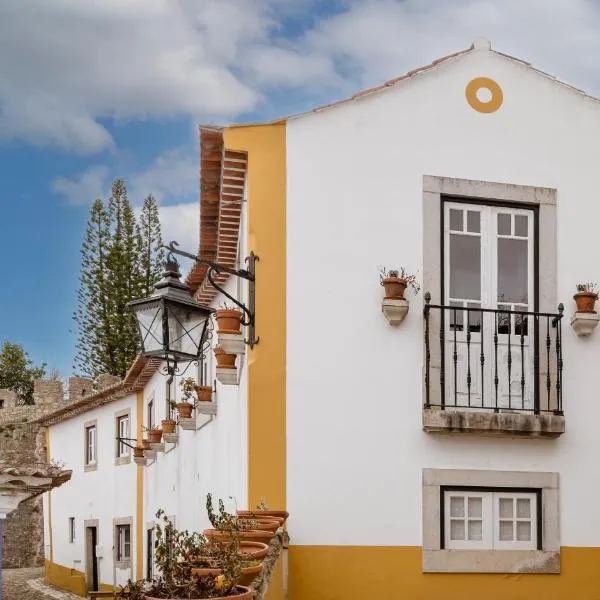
<point>23,442</point>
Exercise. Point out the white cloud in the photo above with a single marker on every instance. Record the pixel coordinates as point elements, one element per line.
<point>173,174</point>
<point>67,67</point>
<point>85,187</point>
<point>181,223</point>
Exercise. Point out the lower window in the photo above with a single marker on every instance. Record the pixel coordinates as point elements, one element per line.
<point>490,519</point>
<point>123,542</point>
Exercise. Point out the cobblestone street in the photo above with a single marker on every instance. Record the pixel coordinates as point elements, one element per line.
<point>28,584</point>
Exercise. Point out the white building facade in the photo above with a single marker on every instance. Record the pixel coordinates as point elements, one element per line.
<point>452,455</point>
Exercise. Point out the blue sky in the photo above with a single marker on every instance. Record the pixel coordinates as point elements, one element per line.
<point>94,90</point>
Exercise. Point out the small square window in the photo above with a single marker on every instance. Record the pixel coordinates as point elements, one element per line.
<point>490,520</point>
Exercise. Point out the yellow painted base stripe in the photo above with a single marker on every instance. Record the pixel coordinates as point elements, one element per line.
<point>265,145</point>
<point>394,573</point>
<point>66,579</point>
<point>139,492</point>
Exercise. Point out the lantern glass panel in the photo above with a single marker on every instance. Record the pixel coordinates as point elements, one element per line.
<point>186,328</point>
<point>149,317</point>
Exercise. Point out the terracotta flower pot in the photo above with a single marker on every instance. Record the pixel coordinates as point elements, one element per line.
<point>261,523</point>
<point>228,320</point>
<point>185,410</point>
<point>155,435</point>
<point>249,574</point>
<point>138,452</point>
<point>145,444</point>
<point>253,550</point>
<point>394,287</point>
<point>252,535</point>
<point>242,593</point>
<point>168,426</point>
<point>281,515</point>
<point>585,301</point>
<point>224,360</point>
<point>204,393</point>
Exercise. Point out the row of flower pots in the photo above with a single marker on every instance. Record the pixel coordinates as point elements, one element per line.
<point>220,563</point>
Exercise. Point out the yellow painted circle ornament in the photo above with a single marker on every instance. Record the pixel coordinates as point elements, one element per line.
<point>484,106</point>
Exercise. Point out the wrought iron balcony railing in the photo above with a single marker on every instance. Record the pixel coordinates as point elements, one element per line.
<point>497,359</point>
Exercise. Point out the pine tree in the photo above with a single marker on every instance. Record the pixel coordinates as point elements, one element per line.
<point>125,275</point>
<point>118,264</point>
<point>93,327</point>
<point>152,253</point>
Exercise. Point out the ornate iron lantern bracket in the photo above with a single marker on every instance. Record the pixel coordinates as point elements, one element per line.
<point>249,274</point>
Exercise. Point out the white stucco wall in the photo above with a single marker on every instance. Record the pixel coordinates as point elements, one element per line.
<point>354,385</point>
<point>103,494</point>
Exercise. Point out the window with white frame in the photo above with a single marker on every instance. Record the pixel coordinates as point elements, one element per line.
<point>123,542</point>
<point>490,519</point>
<point>123,433</point>
<point>71,530</point>
<point>90,447</point>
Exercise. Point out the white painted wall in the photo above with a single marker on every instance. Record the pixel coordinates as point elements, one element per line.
<point>354,385</point>
<point>103,494</point>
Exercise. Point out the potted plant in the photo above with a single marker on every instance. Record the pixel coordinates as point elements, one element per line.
<point>262,510</point>
<point>395,282</point>
<point>138,452</point>
<point>224,523</point>
<point>229,320</point>
<point>154,434</point>
<point>204,393</point>
<point>224,360</point>
<point>185,407</point>
<point>176,552</point>
<point>168,425</point>
<point>586,296</point>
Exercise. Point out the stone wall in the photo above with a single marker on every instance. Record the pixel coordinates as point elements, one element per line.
<point>23,442</point>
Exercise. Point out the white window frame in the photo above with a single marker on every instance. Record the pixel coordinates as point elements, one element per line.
<point>71,530</point>
<point>123,546</point>
<point>123,430</point>
<point>91,445</point>
<point>490,519</point>
<point>438,559</point>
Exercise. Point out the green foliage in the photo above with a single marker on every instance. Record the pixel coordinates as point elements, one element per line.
<point>17,371</point>
<point>120,261</point>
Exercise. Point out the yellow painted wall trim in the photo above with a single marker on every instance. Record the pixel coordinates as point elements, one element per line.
<point>266,148</point>
<point>394,573</point>
<point>66,579</point>
<point>139,492</point>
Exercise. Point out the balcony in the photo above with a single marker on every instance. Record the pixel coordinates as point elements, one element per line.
<point>492,371</point>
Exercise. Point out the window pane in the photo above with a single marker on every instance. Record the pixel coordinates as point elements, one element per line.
<point>504,224</point>
<point>457,530</point>
<point>457,507</point>
<point>474,507</point>
<point>506,531</point>
<point>456,317</point>
<point>523,508</point>
<point>456,220</point>
<point>473,224</point>
<point>524,531</point>
<point>521,228</point>
<point>513,271</point>
<point>506,508</point>
<point>465,267</point>
<point>475,531</point>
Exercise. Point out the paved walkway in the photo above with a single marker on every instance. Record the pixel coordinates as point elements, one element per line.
<point>29,584</point>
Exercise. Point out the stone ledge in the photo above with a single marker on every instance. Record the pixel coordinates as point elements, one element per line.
<point>261,584</point>
<point>474,422</point>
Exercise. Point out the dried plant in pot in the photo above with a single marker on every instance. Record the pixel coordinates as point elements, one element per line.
<point>229,320</point>
<point>138,452</point>
<point>395,282</point>
<point>154,435</point>
<point>224,360</point>
<point>586,296</point>
<point>188,400</point>
<point>262,510</point>
<point>176,554</point>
